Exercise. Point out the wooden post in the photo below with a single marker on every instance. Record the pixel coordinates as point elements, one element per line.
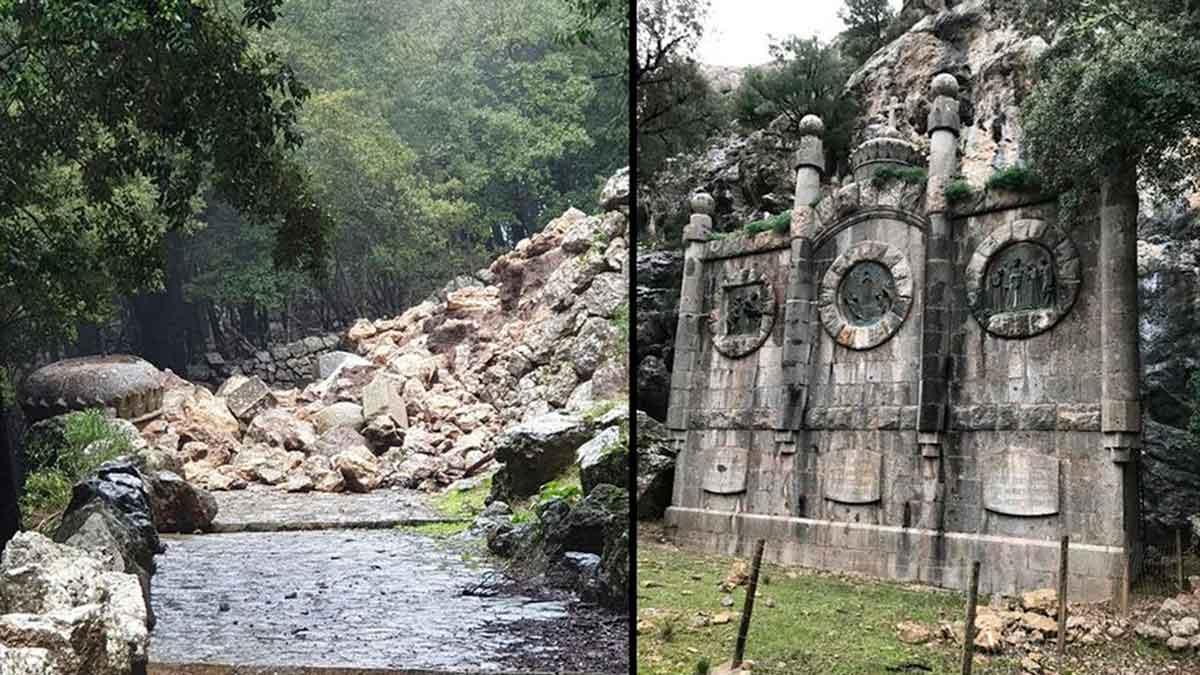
<point>1126,583</point>
<point>748,608</point>
<point>969,628</point>
<point>1063,556</point>
<point>1179,557</point>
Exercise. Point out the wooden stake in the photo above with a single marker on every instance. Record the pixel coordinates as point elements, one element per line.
<point>969,629</point>
<point>1179,557</point>
<point>1063,556</point>
<point>748,609</point>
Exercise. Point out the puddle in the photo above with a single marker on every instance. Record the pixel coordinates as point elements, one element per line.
<point>367,599</point>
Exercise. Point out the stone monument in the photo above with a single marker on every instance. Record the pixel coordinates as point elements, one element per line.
<point>900,386</point>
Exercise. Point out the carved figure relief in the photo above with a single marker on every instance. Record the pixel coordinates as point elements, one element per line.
<point>1022,278</point>
<point>744,313</point>
<point>865,295</point>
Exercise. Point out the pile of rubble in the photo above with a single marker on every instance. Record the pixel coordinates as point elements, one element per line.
<point>418,403</point>
<point>1027,627</point>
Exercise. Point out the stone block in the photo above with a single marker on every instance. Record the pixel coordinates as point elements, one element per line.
<point>249,398</point>
<point>385,394</point>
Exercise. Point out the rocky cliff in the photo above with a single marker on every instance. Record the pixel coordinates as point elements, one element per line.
<point>994,62</point>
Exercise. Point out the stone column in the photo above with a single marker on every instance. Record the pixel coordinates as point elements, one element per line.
<point>691,310</point>
<point>1121,410</point>
<point>800,304</point>
<point>939,272</point>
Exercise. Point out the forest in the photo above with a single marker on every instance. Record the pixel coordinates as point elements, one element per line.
<point>290,166</point>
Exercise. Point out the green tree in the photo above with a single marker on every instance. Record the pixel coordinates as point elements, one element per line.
<point>868,24</point>
<point>677,109</point>
<point>1118,95</point>
<point>805,77</point>
<point>118,114</point>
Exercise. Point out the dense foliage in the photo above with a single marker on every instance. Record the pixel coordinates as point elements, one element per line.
<point>117,115</point>
<point>1118,89</point>
<point>869,25</point>
<point>437,134</point>
<point>805,77</point>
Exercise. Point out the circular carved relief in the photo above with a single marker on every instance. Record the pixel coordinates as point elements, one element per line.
<point>743,320</point>
<point>1022,279</point>
<point>865,295</point>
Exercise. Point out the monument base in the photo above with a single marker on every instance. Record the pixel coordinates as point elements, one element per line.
<point>1009,565</point>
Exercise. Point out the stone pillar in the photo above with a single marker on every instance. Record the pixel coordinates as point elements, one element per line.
<point>691,310</point>
<point>939,272</point>
<point>800,303</point>
<point>1121,410</point>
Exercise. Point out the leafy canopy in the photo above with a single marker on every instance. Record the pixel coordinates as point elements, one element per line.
<point>868,27</point>
<point>118,115</point>
<point>1119,88</point>
<point>805,77</point>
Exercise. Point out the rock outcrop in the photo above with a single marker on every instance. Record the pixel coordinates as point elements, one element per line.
<point>62,611</point>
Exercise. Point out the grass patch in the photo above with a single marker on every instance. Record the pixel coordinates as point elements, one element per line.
<point>779,223</point>
<point>1015,179</point>
<point>463,503</point>
<point>436,530</point>
<point>958,191</point>
<point>910,175</point>
<point>86,441</point>
<point>803,623</point>
<point>599,409</point>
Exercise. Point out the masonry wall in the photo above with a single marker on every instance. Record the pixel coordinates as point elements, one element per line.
<point>850,488</point>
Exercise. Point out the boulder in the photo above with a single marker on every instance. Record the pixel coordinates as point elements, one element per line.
<point>329,363</point>
<point>281,428</point>
<point>360,469</point>
<point>382,433</point>
<point>337,440</point>
<point>325,478</point>
<point>536,451</point>
<point>178,506</point>
<point>69,614</point>
<point>655,468</point>
<point>654,386</point>
<point>587,525</point>
<point>604,459</point>
<point>385,395</point>
<point>266,464</point>
<point>1043,600</point>
<point>340,414</point>
<point>615,193</point>
<point>597,339</point>
<point>249,398</point>
<point>411,469</point>
<point>606,293</point>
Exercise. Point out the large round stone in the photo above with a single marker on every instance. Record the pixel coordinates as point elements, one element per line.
<point>126,385</point>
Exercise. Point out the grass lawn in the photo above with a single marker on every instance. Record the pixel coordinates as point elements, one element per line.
<point>817,623</point>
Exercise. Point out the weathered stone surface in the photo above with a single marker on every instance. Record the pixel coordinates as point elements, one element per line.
<point>534,452</point>
<point>281,428</point>
<point>360,468</point>
<point>615,193</point>
<point>655,468</point>
<point>604,459</point>
<point>340,414</point>
<point>249,399</point>
<point>88,619</point>
<point>129,386</point>
<point>328,364</point>
<point>178,506</point>
<point>385,395</point>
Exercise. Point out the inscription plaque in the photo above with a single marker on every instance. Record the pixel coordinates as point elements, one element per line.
<point>1020,483</point>
<point>726,473</point>
<point>852,476</point>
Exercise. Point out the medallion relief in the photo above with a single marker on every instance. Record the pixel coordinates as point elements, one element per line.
<point>865,295</point>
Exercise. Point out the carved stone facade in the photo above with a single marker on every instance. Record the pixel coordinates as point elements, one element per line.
<point>898,388</point>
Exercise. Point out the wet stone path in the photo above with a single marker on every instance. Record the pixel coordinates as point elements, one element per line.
<point>364,598</point>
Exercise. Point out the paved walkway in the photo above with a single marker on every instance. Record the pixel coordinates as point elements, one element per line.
<point>263,509</point>
<point>353,599</point>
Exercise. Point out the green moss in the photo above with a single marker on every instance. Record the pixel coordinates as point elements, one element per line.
<point>779,223</point>
<point>464,504</point>
<point>442,530</point>
<point>1015,179</point>
<point>911,175</point>
<point>958,190</point>
<point>599,409</point>
<point>64,462</point>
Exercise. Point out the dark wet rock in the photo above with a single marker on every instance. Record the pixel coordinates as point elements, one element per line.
<point>654,386</point>
<point>655,468</point>
<point>178,506</point>
<point>505,538</point>
<point>587,525</point>
<point>605,459</point>
<point>1171,470</point>
<point>614,572</point>
<point>535,452</point>
<point>495,516</point>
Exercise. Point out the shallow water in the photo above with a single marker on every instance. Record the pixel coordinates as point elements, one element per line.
<point>363,598</point>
